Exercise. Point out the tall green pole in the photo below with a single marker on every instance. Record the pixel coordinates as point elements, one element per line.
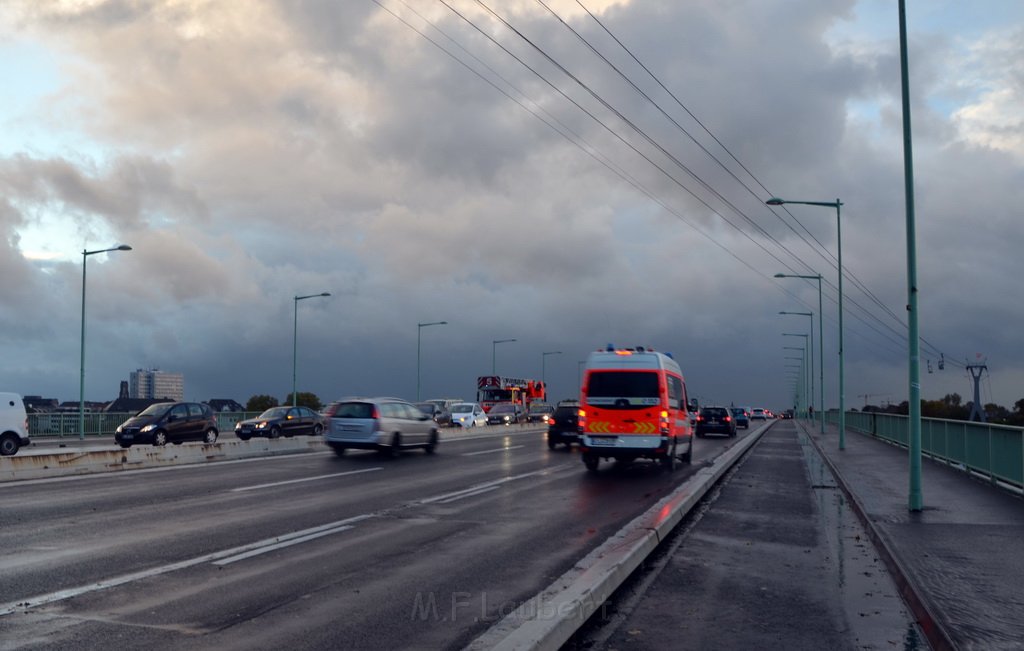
<point>419,329</point>
<point>494,348</point>
<point>81,367</point>
<point>81,377</point>
<point>295,343</point>
<point>775,201</point>
<point>916,501</point>
<point>842,372</point>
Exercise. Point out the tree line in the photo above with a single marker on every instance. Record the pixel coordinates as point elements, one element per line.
<point>953,407</point>
<point>263,402</point>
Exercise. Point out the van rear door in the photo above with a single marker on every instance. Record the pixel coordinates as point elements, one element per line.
<point>623,402</point>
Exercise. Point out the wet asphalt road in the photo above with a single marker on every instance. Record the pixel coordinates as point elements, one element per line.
<point>775,559</point>
<point>308,551</point>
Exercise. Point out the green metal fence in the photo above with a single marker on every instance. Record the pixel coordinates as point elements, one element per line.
<point>65,424</point>
<point>992,451</point>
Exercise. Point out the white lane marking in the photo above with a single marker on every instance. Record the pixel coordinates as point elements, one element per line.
<point>473,454</point>
<point>60,595</point>
<point>486,485</point>
<point>296,481</point>
<point>281,545</point>
<point>470,494</point>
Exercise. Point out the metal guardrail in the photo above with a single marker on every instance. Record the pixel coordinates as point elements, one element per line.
<point>995,452</point>
<point>65,424</point>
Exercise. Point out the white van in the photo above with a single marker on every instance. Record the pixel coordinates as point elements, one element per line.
<point>13,424</point>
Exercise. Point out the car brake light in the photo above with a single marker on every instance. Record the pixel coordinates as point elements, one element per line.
<point>728,419</point>
<point>375,415</point>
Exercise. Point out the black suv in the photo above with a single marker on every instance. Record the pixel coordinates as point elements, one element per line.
<point>563,424</point>
<point>715,420</point>
<point>169,422</point>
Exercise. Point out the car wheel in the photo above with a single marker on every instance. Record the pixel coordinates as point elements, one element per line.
<point>668,462</point>
<point>126,445</point>
<point>160,438</point>
<point>591,461</point>
<point>9,446</point>
<point>552,444</point>
<point>317,430</point>
<point>244,437</point>
<point>432,443</point>
<point>688,457</point>
<point>339,450</point>
<point>395,449</point>
<point>732,433</point>
<point>275,432</point>
<point>211,436</point>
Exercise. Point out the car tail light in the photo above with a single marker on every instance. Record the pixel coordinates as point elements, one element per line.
<point>728,419</point>
<point>699,418</point>
<point>663,422</point>
<point>581,420</point>
<point>375,415</point>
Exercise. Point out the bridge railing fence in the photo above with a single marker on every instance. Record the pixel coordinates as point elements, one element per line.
<point>994,452</point>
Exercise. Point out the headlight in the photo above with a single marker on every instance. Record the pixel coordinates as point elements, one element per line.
<point>238,426</point>
<point>118,430</point>
<point>148,428</point>
<point>261,425</point>
<point>507,417</point>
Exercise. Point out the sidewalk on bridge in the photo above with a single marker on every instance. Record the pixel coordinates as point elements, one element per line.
<point>961,558</point>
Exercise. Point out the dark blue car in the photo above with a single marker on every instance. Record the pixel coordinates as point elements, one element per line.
<point>741,417</point>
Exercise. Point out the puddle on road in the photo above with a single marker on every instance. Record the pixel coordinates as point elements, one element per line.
<point>877,616</point>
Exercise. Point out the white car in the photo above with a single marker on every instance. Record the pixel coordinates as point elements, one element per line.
<point>757,413</point>
<point>468,414</point>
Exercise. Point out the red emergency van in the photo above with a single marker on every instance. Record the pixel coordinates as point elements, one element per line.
<point>633,405</point>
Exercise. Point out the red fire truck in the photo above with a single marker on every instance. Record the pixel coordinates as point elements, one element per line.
<point>492,389</point>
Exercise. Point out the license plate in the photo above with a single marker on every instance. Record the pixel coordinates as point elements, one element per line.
<point>599,442</point>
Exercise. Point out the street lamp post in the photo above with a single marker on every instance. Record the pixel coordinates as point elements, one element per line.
<point>803,365</point>
<point>821,345</point>
<point>543,375</point>
<point>419,329</point>
<point>810,348</point>
<point>494,346</point>
<point>295,342</point>
<point>775,201</point>
<point>81,377</point>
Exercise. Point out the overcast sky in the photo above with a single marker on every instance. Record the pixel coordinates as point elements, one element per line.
<point>512,184</point>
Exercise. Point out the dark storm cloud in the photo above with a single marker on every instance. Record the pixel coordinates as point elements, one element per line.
<point>253,152</point>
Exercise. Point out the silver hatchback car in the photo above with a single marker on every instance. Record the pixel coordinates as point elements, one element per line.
<point>387,425</point>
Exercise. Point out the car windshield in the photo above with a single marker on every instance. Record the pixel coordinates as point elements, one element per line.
<point>502,409</point>
<point>427,407</point>
<point>462,409</point>
<point>275,412</point>
<point>354,410</point>
<point>622,389</point>
<point>738,411</point>
<point>156,410</point>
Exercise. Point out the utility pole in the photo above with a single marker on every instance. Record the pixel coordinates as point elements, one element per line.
<point>976,370</point>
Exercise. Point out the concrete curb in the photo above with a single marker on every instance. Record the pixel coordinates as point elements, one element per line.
<point>916,600</point>
<point>548,619</point>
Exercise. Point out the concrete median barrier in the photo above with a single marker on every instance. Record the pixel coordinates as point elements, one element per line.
<point>44,463</point>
